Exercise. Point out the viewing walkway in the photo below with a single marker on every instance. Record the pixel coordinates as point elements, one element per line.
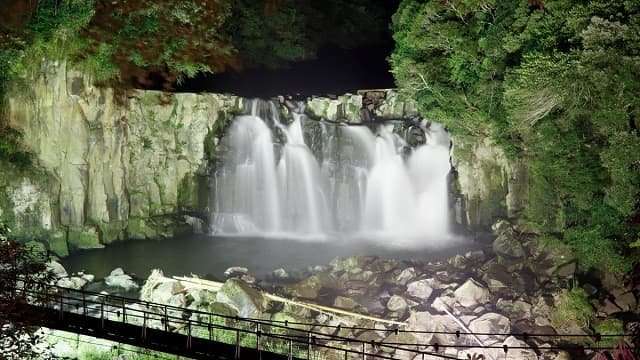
<point>202,335</point>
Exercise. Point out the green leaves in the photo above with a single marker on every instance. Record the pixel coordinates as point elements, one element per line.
<point>555,86</point>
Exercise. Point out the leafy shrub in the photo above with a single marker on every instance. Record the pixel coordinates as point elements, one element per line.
<point>594,251</point>
<point>609,326</point>
<point>573,307</point>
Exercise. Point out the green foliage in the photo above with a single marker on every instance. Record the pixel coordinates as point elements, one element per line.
<point>23,267</point>
<point>572,307</point>
<point>555,86</point>
<point>609,326</point>
<point>596,251</point>
<point>11,149</point>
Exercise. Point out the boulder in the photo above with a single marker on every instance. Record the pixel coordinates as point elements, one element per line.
<point>397,304</point>
<point>119,279</point>
<point>345,303</point>
<point>309,288</point>
<point>73,282</point>
<point>421,289</point>
<point>429,325</point>
<point>471,294</point>
<point>280,274</point>
<point>406,275</point>
<point>513,353</point>
<point>236,271</point>
<point>57,269</point>
<point>490,323</point>
<point>248,301</point>
<point>509,246</point>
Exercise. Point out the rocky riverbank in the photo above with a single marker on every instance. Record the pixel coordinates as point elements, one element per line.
<point>513,286</point>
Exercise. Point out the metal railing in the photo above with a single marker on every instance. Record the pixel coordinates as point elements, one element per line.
<point>288,338</point>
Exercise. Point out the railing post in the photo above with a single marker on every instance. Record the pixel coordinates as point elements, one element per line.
<point>237,357</point>
<point>290,350</point>
<point>364,350</point>
<point>144,325</point>
<point>124,311</point>
<point>102,313</point>
<point>189,334</point>
<point>308,346</point>
<point>61,312</point>
<point>84,304</point>
<point>166,319</point>
<point>258,336</point>
<point>209,325</point>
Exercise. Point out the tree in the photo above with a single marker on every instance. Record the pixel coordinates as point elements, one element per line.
<point>21,267</point>
<point>554,83</point>
<point>149,40</point>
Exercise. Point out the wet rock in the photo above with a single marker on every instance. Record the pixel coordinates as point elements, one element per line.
<point>397,304</point>
<point>444,303</point>
<point>406,275</point>
<point>400,338</point>
<point>421,289</point>
<point>236,271</point>
<point>248,301</point>
<point>429,325</point>
<point>513,353</point>
<point>280,274</point>
<point>57,269</point>
<point>309,288</point>
<point>87,277</point>
<point>248,279</point>
<point>509,246</point>
<point>73,282</point>
<point>490,323</point>
<point>471,294</point>
<point>117,278</point>
<point>566,270</point>
<point>345,303</point>
<point>607,307</point>
<point>626,301</point>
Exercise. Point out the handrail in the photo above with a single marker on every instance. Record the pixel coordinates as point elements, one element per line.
<point>175,319</point>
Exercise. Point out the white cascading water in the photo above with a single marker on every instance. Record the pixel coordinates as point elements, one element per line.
<point>355,183</point>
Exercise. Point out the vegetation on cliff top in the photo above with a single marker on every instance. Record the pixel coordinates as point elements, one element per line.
<point>554,83</point>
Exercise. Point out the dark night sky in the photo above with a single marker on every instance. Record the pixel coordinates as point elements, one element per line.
<point>335,71</point>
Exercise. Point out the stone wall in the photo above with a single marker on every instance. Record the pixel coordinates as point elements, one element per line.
<point>108,166</point>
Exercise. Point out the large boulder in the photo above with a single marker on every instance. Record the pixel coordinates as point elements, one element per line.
<point>471,294</point>
<point>430,328</point>
<point>117,278</point>
<point>248,301</point>
<point>421,289</point>
<point>490,323</point>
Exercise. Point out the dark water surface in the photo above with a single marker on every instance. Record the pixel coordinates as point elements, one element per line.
<point>211,255</point>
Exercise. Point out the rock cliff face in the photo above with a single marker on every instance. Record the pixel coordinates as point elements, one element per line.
<point>111,166</point>
<point>490,185</point>
<point>108,166</point>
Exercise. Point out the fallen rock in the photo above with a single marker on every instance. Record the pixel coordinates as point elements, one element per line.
<point>236,271</point>
<point>490,323</point>
<point>397,304</point>
<point>406,275</point>
<point>508,245</point>
<point>57,269</point>
<point>73,282</point>
<point>119,279</point>
<point>518,354</point>
<point>471,294</point>
<point>421,289</point>
<point>248,301</point>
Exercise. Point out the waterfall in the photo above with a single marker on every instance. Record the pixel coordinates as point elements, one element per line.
<point>301,178</point>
